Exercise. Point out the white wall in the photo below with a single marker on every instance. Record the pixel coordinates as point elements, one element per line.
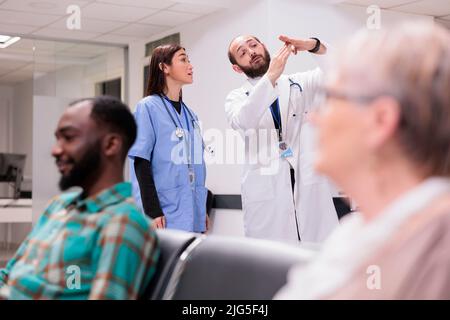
<point>22,141</point>
<point>47,110</point>
<point>79,80</point>
<point>6,104</point>
<point>206,41</point>
<point>22,124</point>
<point>331,23</point>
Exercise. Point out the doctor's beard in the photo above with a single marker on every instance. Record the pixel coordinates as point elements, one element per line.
<point>256,72</point>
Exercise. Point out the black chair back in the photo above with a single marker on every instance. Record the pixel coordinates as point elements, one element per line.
<point>225,268</point>
<point>172,244</point>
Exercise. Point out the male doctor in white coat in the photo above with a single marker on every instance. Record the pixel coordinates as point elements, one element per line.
<point>283,198</point>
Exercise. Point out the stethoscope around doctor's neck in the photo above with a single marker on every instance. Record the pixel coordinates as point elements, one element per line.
<point>179,131</point>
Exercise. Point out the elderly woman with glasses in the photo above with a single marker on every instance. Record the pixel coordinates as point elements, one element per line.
<point>384,138</point>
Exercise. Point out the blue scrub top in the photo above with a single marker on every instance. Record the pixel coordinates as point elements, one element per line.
<point>183,202</point>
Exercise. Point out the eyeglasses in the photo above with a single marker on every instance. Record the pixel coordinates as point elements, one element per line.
<point>327,93</point>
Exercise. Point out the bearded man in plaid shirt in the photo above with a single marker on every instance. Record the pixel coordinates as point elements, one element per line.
<point>93,243</point>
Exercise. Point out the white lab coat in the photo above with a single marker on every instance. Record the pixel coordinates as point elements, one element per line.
<point>271,211</point>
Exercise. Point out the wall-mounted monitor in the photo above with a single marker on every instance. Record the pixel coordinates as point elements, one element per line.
<point>11,171</point>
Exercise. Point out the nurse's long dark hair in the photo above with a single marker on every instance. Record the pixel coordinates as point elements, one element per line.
<point>157,80</point>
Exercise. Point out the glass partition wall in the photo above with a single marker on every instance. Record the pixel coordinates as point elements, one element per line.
<point>64,72</point>
<point>38,79</point>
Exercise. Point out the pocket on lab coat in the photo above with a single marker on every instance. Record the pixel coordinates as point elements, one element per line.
<point>308,174</point>
<point>257,187</point>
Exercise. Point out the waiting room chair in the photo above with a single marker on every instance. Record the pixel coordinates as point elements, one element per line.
<point>226,268</point>
<point>172,244</point>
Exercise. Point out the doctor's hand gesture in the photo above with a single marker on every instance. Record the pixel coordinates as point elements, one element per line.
<point>278,63</point>
<point>159,223</point>
<point>302,45</point>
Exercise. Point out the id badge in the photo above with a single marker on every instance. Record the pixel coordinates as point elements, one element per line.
<point>285,150</point>
<point>191,176</point>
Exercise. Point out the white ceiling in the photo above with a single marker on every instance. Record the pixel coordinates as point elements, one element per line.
<point>111,21</point>
<point>102,21</point>
<point>121,22</point>
<point>439,9</point>
<point>436,8</point>
<point>30,57</point>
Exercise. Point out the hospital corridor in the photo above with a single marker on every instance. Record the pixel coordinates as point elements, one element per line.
<point>227,155</point>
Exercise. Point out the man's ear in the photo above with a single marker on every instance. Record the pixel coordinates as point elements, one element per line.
<point>385,120</point>
<point>112,144</point>
<point>237,68</point>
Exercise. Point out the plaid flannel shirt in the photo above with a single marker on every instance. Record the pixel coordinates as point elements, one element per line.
<point>96,248</point>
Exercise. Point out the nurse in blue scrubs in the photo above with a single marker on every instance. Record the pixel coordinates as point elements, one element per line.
<point>167,167</point>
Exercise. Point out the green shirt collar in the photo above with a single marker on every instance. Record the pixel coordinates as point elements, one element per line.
<point>117,193</point>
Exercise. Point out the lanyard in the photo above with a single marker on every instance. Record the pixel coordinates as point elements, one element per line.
<point>173,119</point>
<point>184,111</point>
<point>276,115</point>
<point>179,132</point>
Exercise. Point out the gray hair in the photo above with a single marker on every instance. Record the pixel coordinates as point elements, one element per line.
<point>411,63</point>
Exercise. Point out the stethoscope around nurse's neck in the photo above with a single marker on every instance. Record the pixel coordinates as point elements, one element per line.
<point>179,131</point>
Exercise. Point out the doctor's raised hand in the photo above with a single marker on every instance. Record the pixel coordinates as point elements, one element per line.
<point>278,63</point>
<point>312,45</point>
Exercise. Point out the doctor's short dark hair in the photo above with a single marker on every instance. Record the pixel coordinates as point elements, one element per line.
<point>114,115</point>
<point>230,55</point>
<point>156,78</point>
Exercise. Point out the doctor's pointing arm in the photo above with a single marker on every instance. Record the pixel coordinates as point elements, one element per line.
<point>311,80</point>
<point>305,45</point>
